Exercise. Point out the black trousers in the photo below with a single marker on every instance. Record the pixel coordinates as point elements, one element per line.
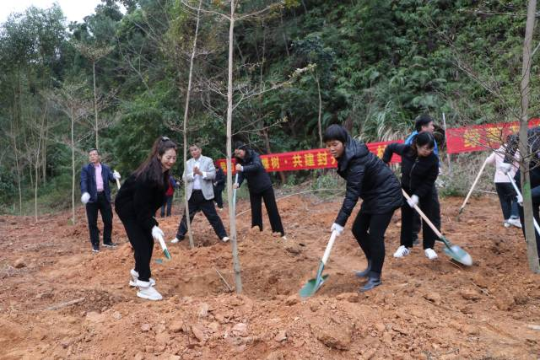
<point>436,214</point>
<point>407,217</point>
<point>218,195</point>
<point>507,198</point>
<point>143,245</point>
<point>271,208</point>
<point>197,203</point>
<point>369,230</point>
<point>168,205</point>
<point>103,206</point>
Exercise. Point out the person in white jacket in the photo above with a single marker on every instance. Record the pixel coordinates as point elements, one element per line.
<point>507,195</point>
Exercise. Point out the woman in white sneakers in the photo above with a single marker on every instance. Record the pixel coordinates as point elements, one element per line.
<point>419,170</point>
<point>505,190</point>
<point>141,195</point>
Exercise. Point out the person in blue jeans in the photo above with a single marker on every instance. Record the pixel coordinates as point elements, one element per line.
<point>169,195</point>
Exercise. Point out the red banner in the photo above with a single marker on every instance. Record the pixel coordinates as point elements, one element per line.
<point>309,159</point>
<point>481,137</point>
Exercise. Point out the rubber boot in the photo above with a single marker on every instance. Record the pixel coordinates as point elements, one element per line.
<point>373,281</point>
<point>364,273</point>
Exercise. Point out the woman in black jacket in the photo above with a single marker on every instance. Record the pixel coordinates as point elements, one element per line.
<point>419,170</point>
<point>136,204</point>
<point>250,168</point>
<point>367,178</point>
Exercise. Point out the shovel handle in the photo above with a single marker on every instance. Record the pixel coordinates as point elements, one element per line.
<point>329,247</point>
<point>118,184</point>
<point>519,193</point>
<point>424,217</point>
<point>234,193</point>
<point>472,187</point>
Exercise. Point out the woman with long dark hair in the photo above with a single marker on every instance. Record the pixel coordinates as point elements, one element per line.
<point>251,169</point>
<point>419,170</point>
<point>369,179</point>
<point>141,195</point>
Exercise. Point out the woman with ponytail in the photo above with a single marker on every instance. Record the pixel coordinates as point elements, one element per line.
<point>419,170</point>
<point>141,195</point>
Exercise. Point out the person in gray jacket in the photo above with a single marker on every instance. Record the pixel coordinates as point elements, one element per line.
<point>200,173</point>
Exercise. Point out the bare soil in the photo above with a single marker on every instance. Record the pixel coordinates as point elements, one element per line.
<point>60,301</point>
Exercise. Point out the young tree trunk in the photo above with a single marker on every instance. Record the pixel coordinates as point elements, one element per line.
<point>523,141</point>
<point>17,165</point>
<point>72,168</point>
<point>232,219</point>
<point>186,113</point>
<point>95,104</point>
<point>319,119</point>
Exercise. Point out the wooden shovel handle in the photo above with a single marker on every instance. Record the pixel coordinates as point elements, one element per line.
<point>424,217</point>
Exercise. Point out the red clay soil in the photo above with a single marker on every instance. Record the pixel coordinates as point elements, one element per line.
<point>59,301</point>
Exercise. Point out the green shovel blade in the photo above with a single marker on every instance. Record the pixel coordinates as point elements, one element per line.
<point>312,286</point>
<point>457,253</point>
<point>167,254</point>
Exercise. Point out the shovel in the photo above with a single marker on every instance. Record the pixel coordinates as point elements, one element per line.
<point>164,247</point>
<point>519,193</point>
<point>472,188</point>
<point>454,251</point>
<point>234,194</point>
<point>313,285</point>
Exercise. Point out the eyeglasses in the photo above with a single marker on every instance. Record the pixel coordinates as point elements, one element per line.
<point>165,138</point>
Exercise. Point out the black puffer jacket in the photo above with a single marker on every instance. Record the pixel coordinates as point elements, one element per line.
<point>418,174</point>
<point>367,178</point>
<point>254,172</point>
<point>138,199</point>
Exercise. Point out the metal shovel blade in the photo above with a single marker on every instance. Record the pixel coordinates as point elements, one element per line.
<point>457,253</point>
<point>167,254</point>
<point>312,286</point>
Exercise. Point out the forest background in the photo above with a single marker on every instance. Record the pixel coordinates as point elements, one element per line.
<point>118,80</point>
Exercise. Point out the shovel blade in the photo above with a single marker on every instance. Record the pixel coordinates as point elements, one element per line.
<point>167,254</point>
<point>459,255</point>
<point>312,286</point>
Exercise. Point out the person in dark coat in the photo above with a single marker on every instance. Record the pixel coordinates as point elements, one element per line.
<point>137,201</point>
<point>96,196</point>
<point>219,185</point>
<point>419,170</point>
<point>371,180</point>
<point>169,195</point>
<point>251,169</point>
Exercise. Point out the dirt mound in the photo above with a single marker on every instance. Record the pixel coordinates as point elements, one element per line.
<point>59,301</point>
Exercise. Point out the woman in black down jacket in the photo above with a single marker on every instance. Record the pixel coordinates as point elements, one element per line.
<point>250,168</point>
<point>370,179</point>
<point>136,204</point>
<point>419,170</point>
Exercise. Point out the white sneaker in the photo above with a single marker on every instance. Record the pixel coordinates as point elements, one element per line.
<point>506,224</point>
<point>175,241</point>
<point>430,254</point>
<point>514,222</point>
<point>284,237</point>
<point>148,292</point>
<point>225,239</point>
<point>135,278</point>
<point>402,251</point>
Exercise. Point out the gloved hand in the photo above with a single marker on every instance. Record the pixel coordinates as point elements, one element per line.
<point>520,199</point>
<point>157,233</point>
<point>85,198</point>
<point>505,168</point>
<point>116,175</point>
<point>413,201</point>
<point>337,228</point>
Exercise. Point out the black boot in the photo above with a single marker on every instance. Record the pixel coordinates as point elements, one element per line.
<point>373,281</point>
<point>365,272</point>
